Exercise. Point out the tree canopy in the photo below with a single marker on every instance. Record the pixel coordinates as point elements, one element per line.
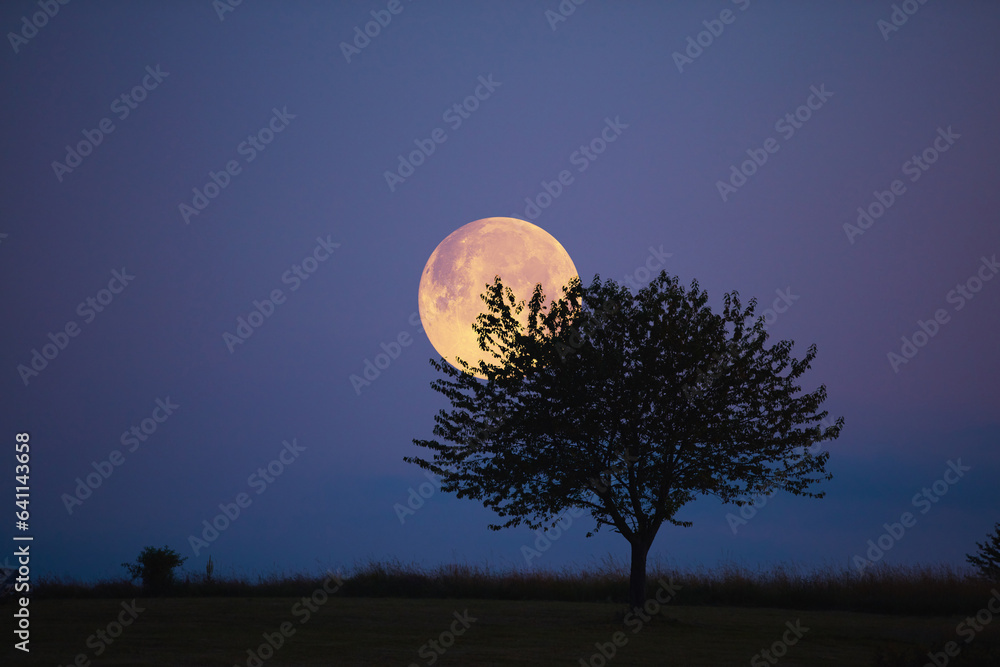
<point>986,560</point>
<point>155,566</point>
<point>627,405</point>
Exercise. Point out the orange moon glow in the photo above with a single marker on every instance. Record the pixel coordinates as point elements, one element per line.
<point>463,264</point>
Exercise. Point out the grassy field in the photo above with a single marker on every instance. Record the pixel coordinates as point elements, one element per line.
<point>389,613</point>
<point>391,631</point>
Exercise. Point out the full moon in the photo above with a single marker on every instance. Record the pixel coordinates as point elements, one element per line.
<point>463,264</point>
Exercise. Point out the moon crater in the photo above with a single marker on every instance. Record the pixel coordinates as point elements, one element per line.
<point>467,260</point>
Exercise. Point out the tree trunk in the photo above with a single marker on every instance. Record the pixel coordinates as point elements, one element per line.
<point>637,576</point>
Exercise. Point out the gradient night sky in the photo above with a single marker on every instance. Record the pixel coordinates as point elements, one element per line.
<point>323,176</point>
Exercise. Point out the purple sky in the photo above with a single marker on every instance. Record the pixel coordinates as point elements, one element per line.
<point>267,93</point>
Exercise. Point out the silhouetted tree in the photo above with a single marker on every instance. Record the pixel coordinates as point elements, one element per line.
<point>627,405</point>
<point>987,559</point>
<point>156,568</point>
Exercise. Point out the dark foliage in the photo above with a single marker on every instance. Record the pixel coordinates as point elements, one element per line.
<point>628,406</point>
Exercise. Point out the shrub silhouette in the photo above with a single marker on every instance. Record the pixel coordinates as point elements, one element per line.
<point>155,566</point>
<point>987,560</point>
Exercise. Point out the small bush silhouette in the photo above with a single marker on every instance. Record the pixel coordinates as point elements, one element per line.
<point>987,560</point>
<point>155,566</point>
